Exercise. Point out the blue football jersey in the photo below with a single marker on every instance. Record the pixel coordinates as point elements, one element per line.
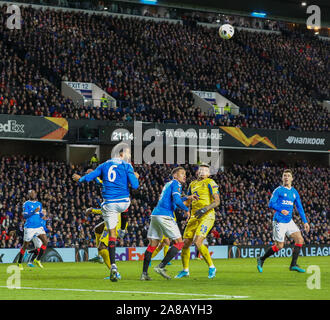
<point>170,199</point>
<point>32,217</point>
<point>284,199</point>
<point>44,224</point>
<point>116,175</point>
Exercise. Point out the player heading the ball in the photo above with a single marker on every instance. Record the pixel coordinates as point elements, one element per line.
<point>201,220</point>
<point>116,174</point>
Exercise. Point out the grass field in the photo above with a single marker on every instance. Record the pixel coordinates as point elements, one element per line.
<point>237,279</point>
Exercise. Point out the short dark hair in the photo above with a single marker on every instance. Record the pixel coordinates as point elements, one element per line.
<point>175,170</point>
<point>288,171</point>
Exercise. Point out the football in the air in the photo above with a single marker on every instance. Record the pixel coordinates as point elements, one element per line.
<point>226,31</point>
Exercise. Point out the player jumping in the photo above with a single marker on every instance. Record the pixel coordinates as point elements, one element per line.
<point>282,201</point>
<point>116,174</point>
<point>123,216</point>
<point>36,241</point>
<point>32,212</point>
<point>201,220</point>
<point>163,222</point>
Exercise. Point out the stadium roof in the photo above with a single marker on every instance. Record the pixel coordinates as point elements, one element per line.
<point>286,10</point>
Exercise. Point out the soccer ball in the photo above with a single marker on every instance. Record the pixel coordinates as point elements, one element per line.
<point>226,31</point>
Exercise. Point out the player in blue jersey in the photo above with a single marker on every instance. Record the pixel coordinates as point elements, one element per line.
<point>116,174</point>
<point>121,231</point>
<point>36,241</point>
<point>163,222</point>
<point>32,211</point>
<point>282,201</point>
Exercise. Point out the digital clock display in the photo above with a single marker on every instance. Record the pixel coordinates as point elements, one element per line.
<point>121,135</point>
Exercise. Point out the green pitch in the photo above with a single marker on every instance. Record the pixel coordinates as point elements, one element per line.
<point>237,279</point>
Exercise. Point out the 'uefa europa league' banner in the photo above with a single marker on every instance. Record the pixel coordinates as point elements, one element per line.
<point>139,133</point>
<point>310,250</point>
<point>32,127</point>
<point>143,134</point>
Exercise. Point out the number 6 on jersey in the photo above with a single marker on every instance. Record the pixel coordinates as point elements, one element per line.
<point>112,173</point>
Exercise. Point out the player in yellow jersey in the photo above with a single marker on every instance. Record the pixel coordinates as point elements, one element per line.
<point>201,220</point>
<point>102,237</point>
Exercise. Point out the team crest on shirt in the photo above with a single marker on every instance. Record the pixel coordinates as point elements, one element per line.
<point>294,196</point>
<point>285,194</point>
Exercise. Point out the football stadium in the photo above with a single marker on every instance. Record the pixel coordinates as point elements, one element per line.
<point>164,150</point>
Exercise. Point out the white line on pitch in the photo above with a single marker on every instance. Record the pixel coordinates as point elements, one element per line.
<point>132,292</point>
<point>224,297</point>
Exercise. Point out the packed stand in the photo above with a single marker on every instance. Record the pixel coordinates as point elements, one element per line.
<point>242,218</point>
<point>150,67</point>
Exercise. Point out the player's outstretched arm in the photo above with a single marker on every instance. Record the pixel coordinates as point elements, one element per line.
<point>178,201</point>
<point>76,177</point>
<point>188,199</point>
<point>90,176</point>
<point>93,210</point>
<point>98,180</point>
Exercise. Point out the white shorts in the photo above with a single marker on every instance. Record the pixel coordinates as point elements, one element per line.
<point>280,230</point>
<point>37,242</point>
<point>29,233</point>
<point>110,212</point>
<point>163,226</point>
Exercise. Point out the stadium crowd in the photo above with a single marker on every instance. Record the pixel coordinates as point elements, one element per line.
<point>243,216</point>
<point>151,67</point>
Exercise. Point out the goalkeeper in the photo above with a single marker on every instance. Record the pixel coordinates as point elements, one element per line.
<point>201,220</point>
